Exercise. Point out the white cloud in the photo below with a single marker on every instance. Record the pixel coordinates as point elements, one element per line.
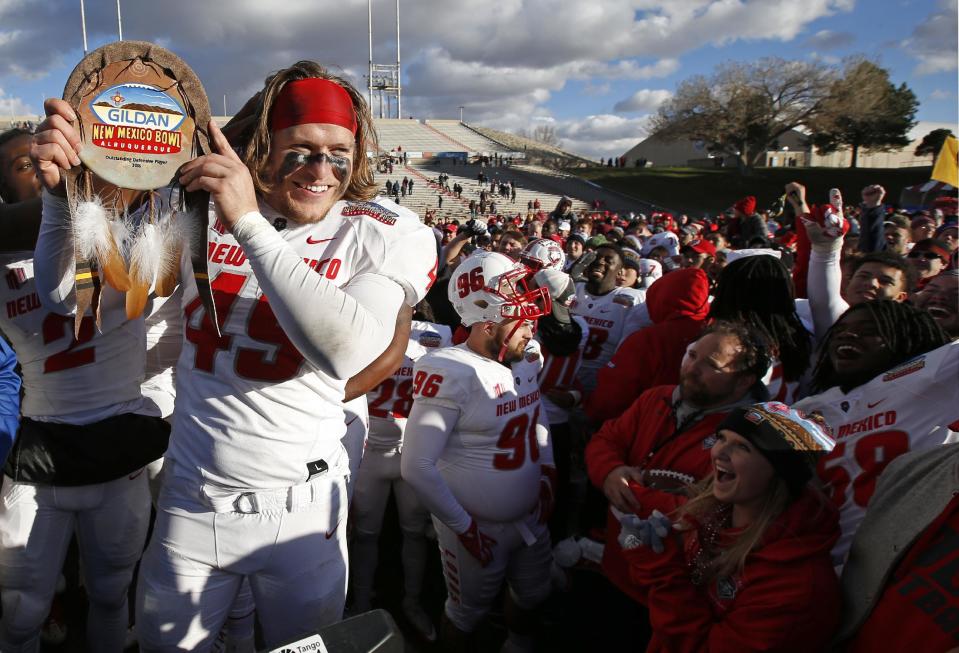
<point>14,106</point>
<point>933,42</point>
<point>502,63</point>
<point>644,100</point>
<point>940,94</point>
<point>601,135</point>
<point>826,39</point>
<point>827,59</point>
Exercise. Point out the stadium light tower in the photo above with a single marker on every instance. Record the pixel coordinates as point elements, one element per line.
<point>83,25</point>
<point>385,78</point>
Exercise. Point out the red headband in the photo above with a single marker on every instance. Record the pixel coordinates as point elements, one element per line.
<point>313,100</point>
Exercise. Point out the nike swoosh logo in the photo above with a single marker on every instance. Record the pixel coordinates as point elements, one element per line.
<point>355,417</point>
<point>330,533</point>
<point>310,241</point>
<point>877,403</point>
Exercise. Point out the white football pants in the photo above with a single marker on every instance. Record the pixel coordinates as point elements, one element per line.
<point>36,522</point>
<point>379,474</point>
<point>290,544</point>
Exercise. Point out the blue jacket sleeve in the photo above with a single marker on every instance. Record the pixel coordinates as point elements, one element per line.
<point>9,399</point>
<point>872,236</point>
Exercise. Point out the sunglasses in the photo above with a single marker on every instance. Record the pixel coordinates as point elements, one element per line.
<point>929,256</point>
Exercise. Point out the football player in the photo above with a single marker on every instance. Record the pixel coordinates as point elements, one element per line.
<point>478,452</point>
<point>612,312</point>
<point>308,272</point>
<point>389,406</point>
<point>887,385</point>
<point>74,467</point>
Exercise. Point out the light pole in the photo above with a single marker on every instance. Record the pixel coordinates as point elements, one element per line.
<point>83,24</point>
<point>119,22</point>
<point>461,114</point>
<point>399,85</point>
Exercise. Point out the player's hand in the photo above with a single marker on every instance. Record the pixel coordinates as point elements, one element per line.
<point>56,145</point>
<point>648,532</point>
<point>547,492</point>
<point>873,195</point>
<point>224,176</point>
<point>796,196</point>
<point>617,490</point>
<point>474,228</point>
<point>478,543</point>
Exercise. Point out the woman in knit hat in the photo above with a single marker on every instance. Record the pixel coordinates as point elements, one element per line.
<point>745,566</point>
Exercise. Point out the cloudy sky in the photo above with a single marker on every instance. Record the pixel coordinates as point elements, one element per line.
<point>594,70</point>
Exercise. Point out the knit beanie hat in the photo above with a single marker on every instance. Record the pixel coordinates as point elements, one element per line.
<point>746,205</point>
<point>788,438</point>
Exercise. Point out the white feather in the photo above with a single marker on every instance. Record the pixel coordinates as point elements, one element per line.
<point>173,240</point>
<point>145,254</point>
<point>91,230</point>
<point>121,230</point>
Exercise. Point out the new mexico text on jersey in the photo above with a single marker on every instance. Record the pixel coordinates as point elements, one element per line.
<point>251,411</point>
<point>907,408</point>
<point>492,459</point>
<point>60,381</point>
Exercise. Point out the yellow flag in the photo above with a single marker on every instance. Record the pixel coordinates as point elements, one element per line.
<point>946,169</point>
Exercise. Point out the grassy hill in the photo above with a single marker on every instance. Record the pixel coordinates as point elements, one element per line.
<point>697,190</point>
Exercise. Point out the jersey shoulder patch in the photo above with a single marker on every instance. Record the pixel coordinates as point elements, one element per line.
<point>371,210</point>
<point>907,368</point>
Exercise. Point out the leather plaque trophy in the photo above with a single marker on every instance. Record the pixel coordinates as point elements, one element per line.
<point>142,113</point>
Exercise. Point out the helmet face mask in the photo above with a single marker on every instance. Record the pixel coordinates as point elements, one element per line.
<point>490,287</point>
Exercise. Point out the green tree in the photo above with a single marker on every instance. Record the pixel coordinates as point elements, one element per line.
<point>864,110</point>
<point>743,107</point>
<point>932,143</point>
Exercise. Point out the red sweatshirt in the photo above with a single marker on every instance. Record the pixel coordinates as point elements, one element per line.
<point>786,599</point>
<point>649,426</point>
<point>678,305</point>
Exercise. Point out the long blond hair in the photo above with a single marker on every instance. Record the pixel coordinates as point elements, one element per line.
<point>703,506</point>
<point>256,154</point>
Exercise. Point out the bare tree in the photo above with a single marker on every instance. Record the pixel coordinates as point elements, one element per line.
<point>546,134</point>
<point>745,106</point>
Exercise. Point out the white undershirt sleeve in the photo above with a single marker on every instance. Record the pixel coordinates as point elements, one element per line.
<point>823,286</point>
<point>544,441</point>
<point>427,431</point>
<point>339,330</point>
<point>53,258</point>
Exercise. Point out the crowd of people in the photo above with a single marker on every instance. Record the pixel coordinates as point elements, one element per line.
<point>736,433</point>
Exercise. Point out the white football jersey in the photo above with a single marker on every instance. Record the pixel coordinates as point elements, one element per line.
<point>391,400</point>
<point>251,412</point>
<point>561,372</point>
<point>611,317</point>
<point>492,460</point>
<point>67,379</point>
<point>908,408</point>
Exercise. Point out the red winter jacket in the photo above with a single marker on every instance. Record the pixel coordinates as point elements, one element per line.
<point>678,305</point>
<point>786,599</point>
<point>649,427</point>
